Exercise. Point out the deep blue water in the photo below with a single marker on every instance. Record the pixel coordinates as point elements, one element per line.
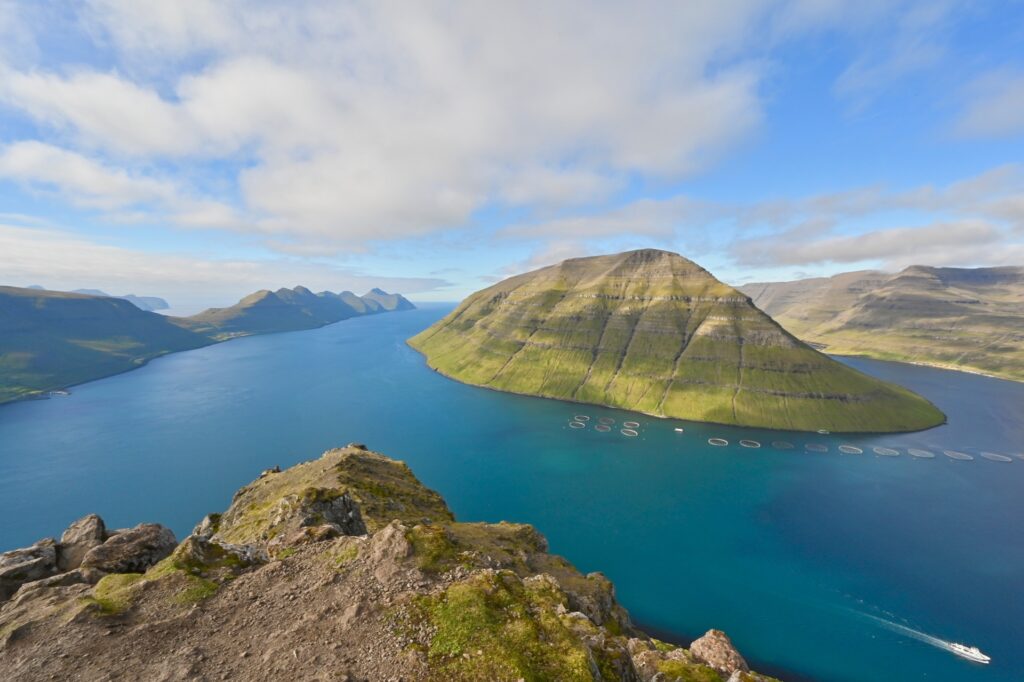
<point>795,554</point>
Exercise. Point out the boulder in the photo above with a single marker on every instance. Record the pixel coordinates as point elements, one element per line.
<point>132,550</point>
<point>715,649</point>
<point>206,554</point>
<point>318,507</point>
<point>81,536</point>
<point>20,566</point>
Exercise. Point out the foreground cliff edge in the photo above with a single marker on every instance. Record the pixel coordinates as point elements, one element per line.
<point>342,568</point>
<point>653,332</point>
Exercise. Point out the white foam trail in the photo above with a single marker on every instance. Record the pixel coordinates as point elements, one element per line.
<point>911,632</point>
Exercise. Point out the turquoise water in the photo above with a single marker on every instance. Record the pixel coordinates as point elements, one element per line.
<point>801,557</point>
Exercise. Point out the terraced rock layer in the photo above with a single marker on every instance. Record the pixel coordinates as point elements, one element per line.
<point>653,332</point>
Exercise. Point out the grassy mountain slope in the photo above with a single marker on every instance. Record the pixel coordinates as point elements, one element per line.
<point>653,332</point>
<point>50,340</point>
<point>971,319</point>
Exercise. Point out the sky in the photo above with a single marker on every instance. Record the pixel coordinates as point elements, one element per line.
<point>205,149</point>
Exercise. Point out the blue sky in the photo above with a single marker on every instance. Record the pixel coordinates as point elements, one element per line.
<point>202,150</point>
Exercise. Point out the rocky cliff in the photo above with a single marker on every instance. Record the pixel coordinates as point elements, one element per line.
<point>341,568</point>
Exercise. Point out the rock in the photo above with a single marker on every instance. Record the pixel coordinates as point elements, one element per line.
<point>20,566</point>
<point>78,576</point>
<point>307,535</point>
<point>357,446</point>
<point>205,553</point>
<point>133,550</point>
<point>318,507</point>
<point>716,650</point>
<point>207,527</point>
<point>388,550</point>
<point>81,536</point>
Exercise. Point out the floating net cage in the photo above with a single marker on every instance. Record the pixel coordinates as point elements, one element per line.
<point>718,442</point>
<point>608,421</point>
<point>631,425</point>
<point>782,445</point>
<point>886,452</point>
<point>582,418</point>
<point>577,425</point>
<point>850,450</point>
<point>629,432</point>
<point>816,447</point>
<point>996,457</point>
<point>956,454</point>
<point>603,428</point>
<point>750,444</point>
<point>923,454</point>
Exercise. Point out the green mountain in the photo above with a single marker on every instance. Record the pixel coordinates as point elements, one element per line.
<point>50,340</point>
<point>959,318</point>
<point>653,332</point>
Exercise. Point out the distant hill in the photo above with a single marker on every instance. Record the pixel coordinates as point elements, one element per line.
<point>291,310</point>
<point>388,301</point>
<point>50,340</point>
<point>141,302</point>
<point>653,332</point>
<point>960,318</point>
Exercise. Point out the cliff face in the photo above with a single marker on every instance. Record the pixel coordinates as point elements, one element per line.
<point>344,567</point>
<point>961,318</point>
<point>654,332</point>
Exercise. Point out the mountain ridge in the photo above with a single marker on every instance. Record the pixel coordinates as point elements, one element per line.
<point>51,340</point>
<point>969,319</point>
<point>653,332</point>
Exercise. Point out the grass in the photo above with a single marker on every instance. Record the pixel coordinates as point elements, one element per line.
<point>114,593</point>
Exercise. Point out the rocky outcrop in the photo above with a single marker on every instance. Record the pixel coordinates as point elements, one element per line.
<point>715,649</point>
<point>132,550</point>
<point>80,537</point>
<point>21,566</point>
<point>344,567</point>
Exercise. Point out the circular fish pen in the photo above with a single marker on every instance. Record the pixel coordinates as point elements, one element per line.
<point>608,421</point>
<point>955,454</point>
<point>816,447</point>
<point>782,445</point>
<point>577,425</point>
<point>631,425</point>
<point>886,452</point>
<point>996,457</point>
<point>603,428</point>
<point>923,454</point>
<point>718,442</point>
<point>629,432</point>
<point>582,418</point>
<point>750,444</point>
<point>850,450</point>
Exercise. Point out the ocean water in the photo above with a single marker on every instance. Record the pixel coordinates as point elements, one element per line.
<point>823,566</point>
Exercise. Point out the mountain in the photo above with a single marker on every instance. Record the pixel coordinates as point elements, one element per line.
<point>344,568</point>
<point>653,332</point>
<point>288,310</point>
<point>149,303</point>
<point>388,301</point>
<point>50,340</point>
<point>960,318</point>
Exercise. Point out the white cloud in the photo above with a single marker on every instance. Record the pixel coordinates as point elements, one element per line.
<point>62,260</point>
<point>995,106</point>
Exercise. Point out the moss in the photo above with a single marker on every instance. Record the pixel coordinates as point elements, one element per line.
<point>495,626</point>
<point>433,547</point>
<point>345,555</point>
<point>196,590</point>
<point>114,593</point>
<point>688,672</point>
<point>285,553</point>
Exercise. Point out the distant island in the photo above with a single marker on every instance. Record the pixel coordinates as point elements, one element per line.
<point>150,303</point>
<point>345,567</point>
<point>969,319</point>
<point>653,332</point>
<point>50,340</point>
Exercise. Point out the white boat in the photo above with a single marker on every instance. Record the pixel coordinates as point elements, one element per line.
<point>971,653</point>
<point>678,430</point>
